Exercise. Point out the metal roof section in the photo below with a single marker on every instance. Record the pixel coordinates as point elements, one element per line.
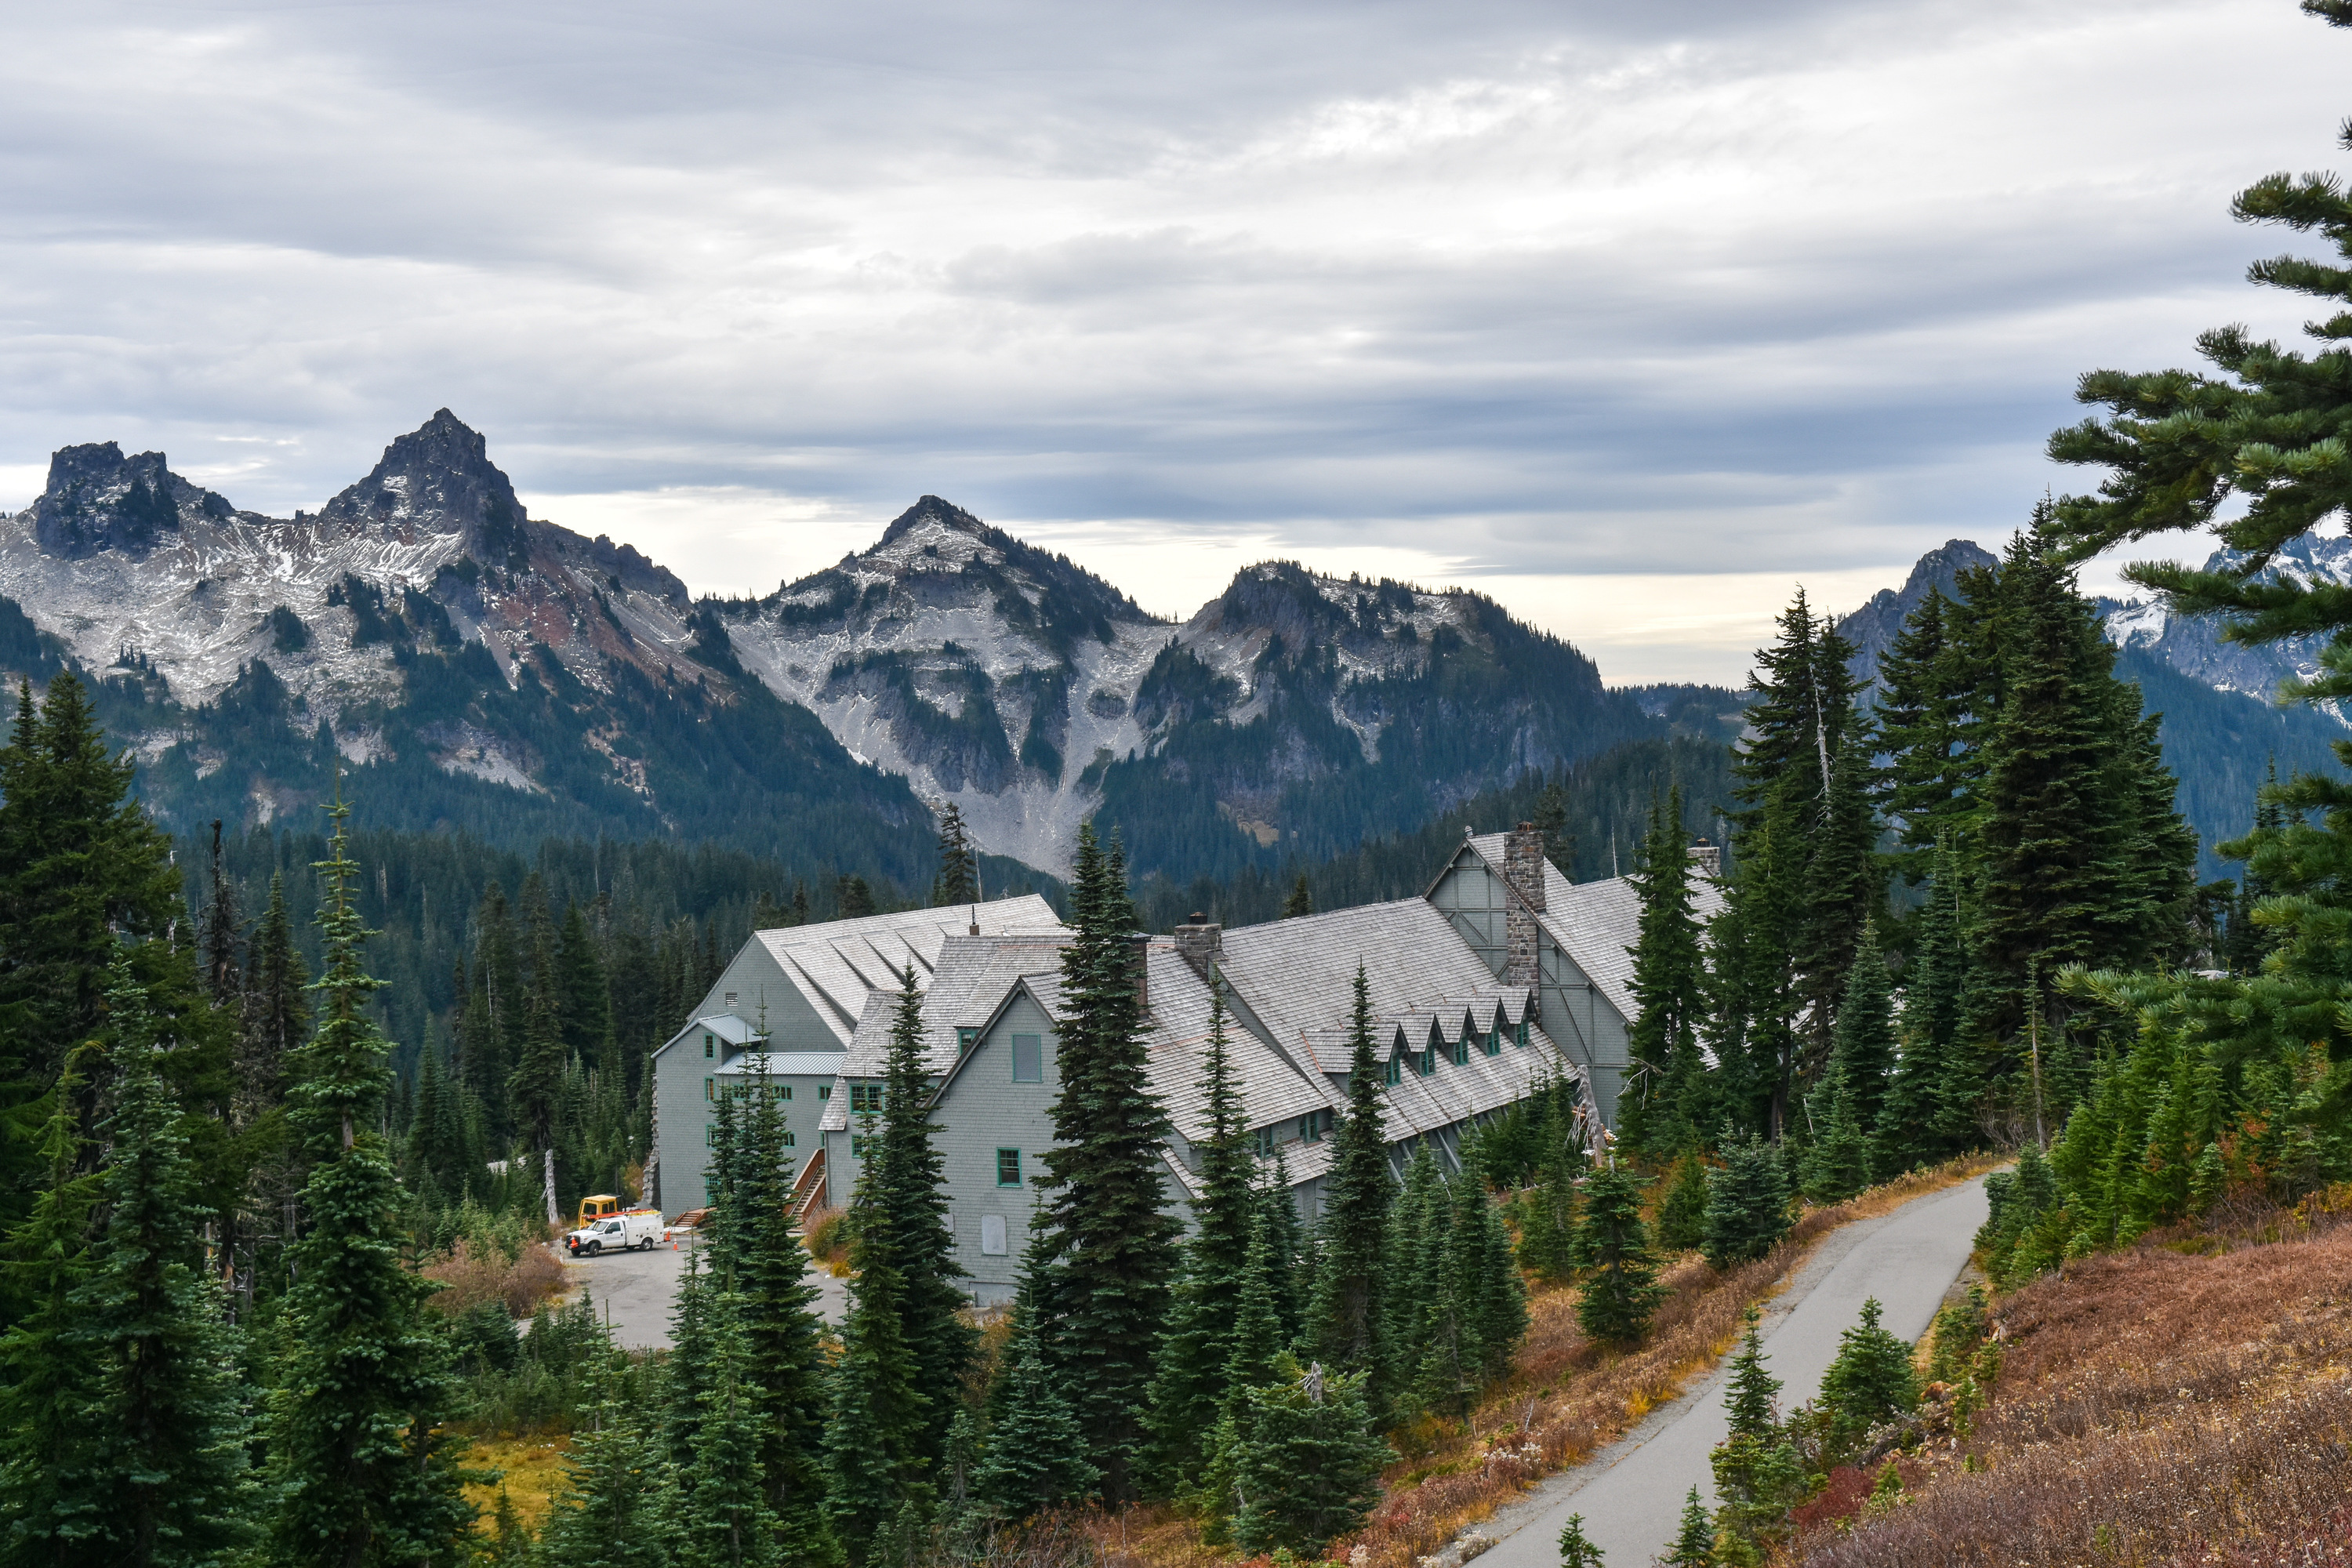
<point>837,964</point>
<point>726,1026</point>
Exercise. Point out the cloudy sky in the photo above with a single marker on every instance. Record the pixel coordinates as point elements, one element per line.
<point>1633,315</point>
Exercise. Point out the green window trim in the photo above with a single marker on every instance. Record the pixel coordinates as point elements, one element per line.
<point>709,1047</point>
<point>1395,1071</point>
<point>710,1089</point>
<point>1008,1167</point>
<point>1495,1039</point>
<point>1428,1063</point>
<point>1522,1033</point>
<point>965,1039</point>
<point>825,1091</point>
<point>1461,1051</point>
<point>857,1145</point>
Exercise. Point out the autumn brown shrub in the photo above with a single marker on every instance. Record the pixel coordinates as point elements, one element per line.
<point>2153,1408</point>
<point>474,1273</point>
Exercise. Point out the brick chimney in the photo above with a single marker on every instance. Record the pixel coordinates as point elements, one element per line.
<point>1707,859</point>
<point>1202,941</point>
<point>1523,868</point>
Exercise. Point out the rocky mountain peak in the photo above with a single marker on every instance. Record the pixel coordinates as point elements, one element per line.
<point>1872,628</point>
<point>97,499</point>
<point>438,479</point>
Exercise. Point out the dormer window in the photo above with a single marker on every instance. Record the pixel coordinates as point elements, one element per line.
<point>1395,1073</point>
<point>1522,1036</point>
<point>966,1040</point>
<point>1495,1038</point>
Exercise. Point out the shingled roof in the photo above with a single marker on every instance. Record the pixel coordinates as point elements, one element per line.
<point>839,963</point>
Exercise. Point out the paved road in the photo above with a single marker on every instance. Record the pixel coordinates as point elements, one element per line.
<point>634,1292</point>
<point>1630,1493</point>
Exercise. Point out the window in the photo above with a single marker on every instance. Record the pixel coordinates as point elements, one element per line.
<point>1028,1059</point>
<point>710,1089</point>
<point>731,1001</point>
<point>1395,1073</point>
<point>789,1142</point>
<point>1428,1064</point>
<point>991,1234</point>
<point>709,1046</point>
<point>710,1189</point>
<point>1522,1036</point>
<point>966,1040</point>
<point>784,1091</point>
<point>1313,1125</point>
<point>1461,1051</point>
<point>857,1145</point>
<point>711,1137</point>
<point>1495,1039</point>
<point>825,1091</point>
<point>1263,1138</point>
<point>1008,1167</point>
<point>865,1099</point>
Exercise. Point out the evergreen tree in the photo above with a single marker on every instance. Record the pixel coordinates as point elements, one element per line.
<point>1345,1321</point>
<point>910,1195</point>
<point>1576,1548</point>
<point>1612,1254</point>
<point>220,930</point>
<point>1693,1542</point>
<point>1550,818</point>
<point>167,1425</point>
<point>874,1443</point>
<point>535,1091</point>
<point>1930,1106</point>
<point>1114,1240</point>
<point>957,881</point>
<point>1277,1210</point>
<point>1309,1468</point>
<point>1548,1213</point>
<point>853,900</point>
<point>83,873</point>
<point>1923,699</point>
<point>1486,1274</point>
<point>49,1495</point>
<point>583,1001</point>
<point>1036,1453</point>
<point>775,1307</point>
<point>724,1520</point>
<point>1758,1476</point>
<point>1189,1388</point>
<point>1855,1091</point>
<point>614,1511</point>
<point>1871,1381</point>
<point>276,1016</point>
<point>1746,1204</point>
<point>1300,901</point>
<point>1665,1104</point>
<point>359,1453</point>
<point>1681,1213</point>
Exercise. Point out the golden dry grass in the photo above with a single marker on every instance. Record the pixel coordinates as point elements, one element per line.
<point>2180,1402</point>
<point>1565,1398</point>
<point>533,1467</point>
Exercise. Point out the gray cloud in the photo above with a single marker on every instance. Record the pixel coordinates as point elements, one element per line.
<point>1629,288</point>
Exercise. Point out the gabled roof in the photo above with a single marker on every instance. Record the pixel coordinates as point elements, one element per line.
<point>726,1026</point>
<point>836,966</point>
<point>1597,923</point>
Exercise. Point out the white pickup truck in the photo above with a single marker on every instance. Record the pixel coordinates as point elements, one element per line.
<point>636,1230</point>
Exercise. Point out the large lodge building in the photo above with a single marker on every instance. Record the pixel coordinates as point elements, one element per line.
<point>1501,977</point>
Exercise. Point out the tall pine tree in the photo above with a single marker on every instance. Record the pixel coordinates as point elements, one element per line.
<point>1345,1319</point>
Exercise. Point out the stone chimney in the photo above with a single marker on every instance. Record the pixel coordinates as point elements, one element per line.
<point>1707,859</point>
<point>1523,869</point>
<point>1202,941</point>
<point>1138,947</point>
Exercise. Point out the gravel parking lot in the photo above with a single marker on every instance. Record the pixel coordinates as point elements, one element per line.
<point>634,1293</point>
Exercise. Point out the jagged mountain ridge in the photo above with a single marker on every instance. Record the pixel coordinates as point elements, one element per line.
<point>420,624</point>
<point>1033,695</point>
<point>473,667</point>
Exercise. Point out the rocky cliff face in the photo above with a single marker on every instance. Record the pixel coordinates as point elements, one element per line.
<point>1035,695</point>
<point>423,625</point>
